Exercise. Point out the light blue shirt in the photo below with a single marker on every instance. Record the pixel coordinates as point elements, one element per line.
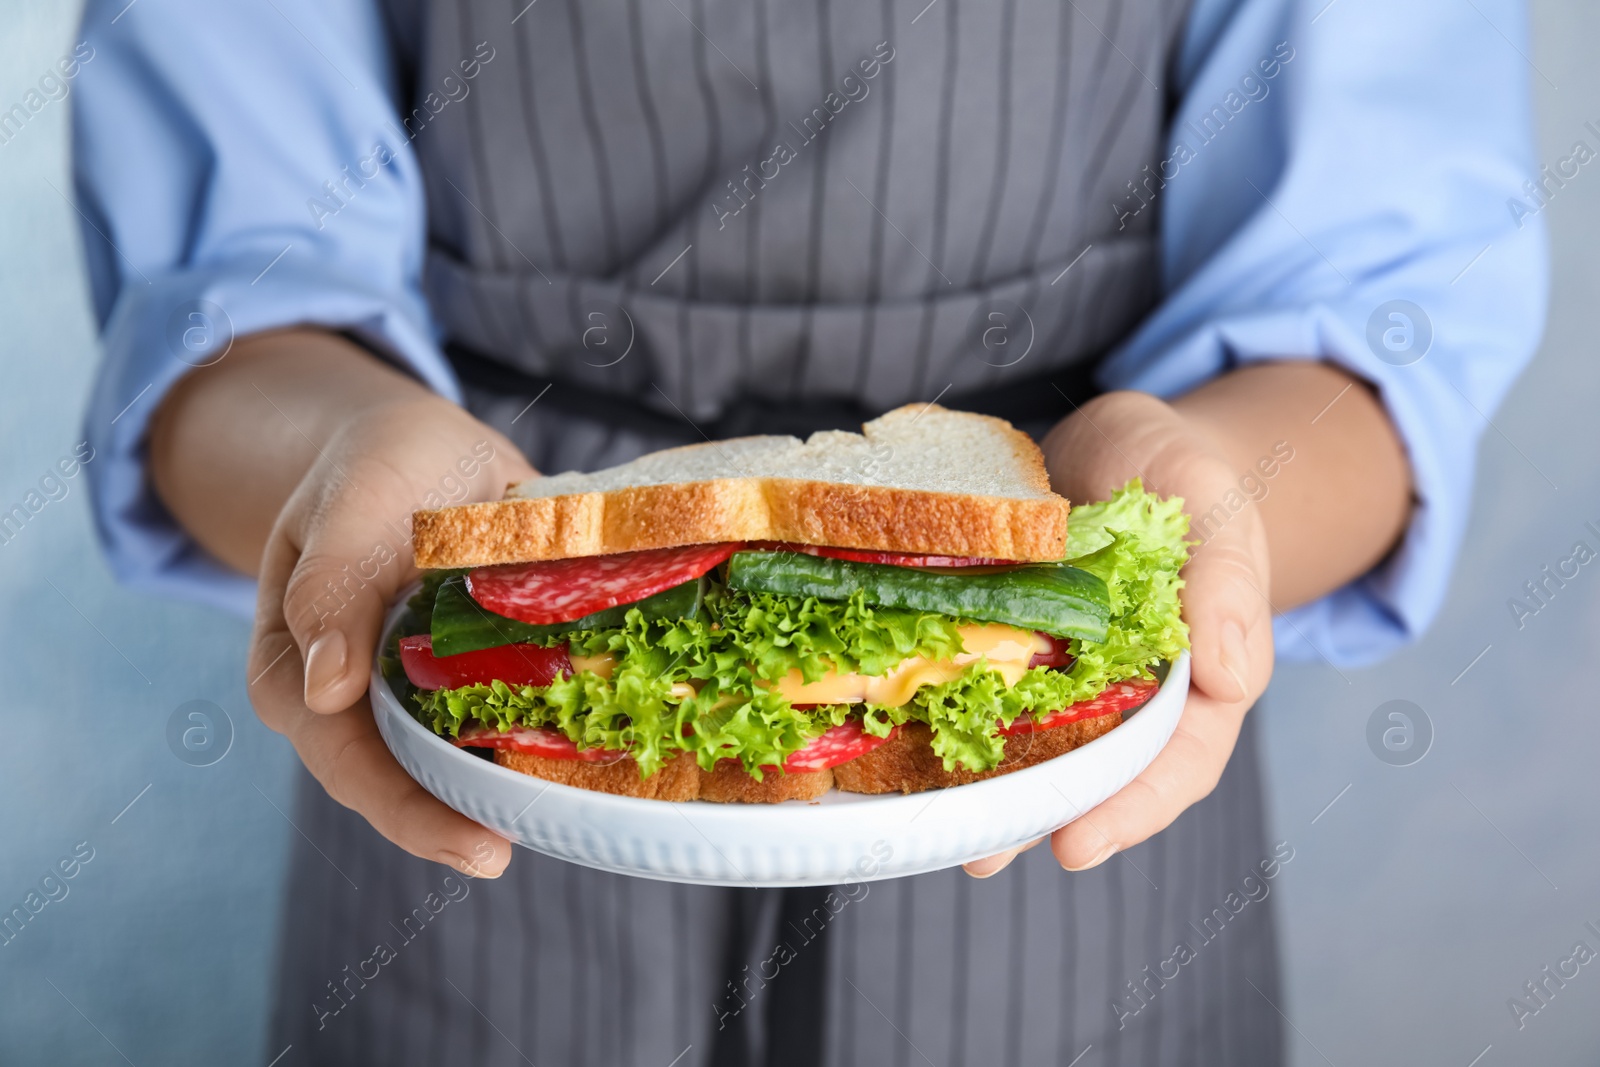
<point>1356,205</point>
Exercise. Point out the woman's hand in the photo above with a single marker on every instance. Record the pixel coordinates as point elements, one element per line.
<point>300,457</point>
<point>1207,448</point>
<point>1094,452</point>
<point>336,559</point>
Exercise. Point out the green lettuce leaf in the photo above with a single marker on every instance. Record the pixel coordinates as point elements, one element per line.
<point>1137,543</point>
<point>963,713</point>
<point>740,637</point>
<point>777,634</point>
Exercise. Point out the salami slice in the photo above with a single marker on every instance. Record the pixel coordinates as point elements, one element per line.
<point>535,741</point>
<point>1121,697</point>
<point>561,590</point>
<point>838,744</point>
<point>893,559</point>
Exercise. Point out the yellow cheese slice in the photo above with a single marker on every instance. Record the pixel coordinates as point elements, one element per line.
<point>1007,648</point>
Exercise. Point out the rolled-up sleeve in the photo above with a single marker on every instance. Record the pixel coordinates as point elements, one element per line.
<point>238,168</point>
<point>1365,204</point>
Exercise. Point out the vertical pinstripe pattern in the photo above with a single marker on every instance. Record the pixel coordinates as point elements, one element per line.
<point>1075,1005</point>
<point>844,1010</point>
<point>816,216</point>
<point>527,987</point>
<point>608,962</point>
<point>1160,1037</point>
<point>880,196</point>
<point>752,246</point>
<point>597,144</point>
<point>522,55</point>
<point>941,195</point>
<point>480,981</point>
<point>660,189</point>
<point>1016,973</point>
<point>713,123</point>
<point>1053,134</point>
<point>794,1014</point>
<point>580,959</point>
<point>1230,986</point>
<point>1002,138</point>
<point>1213,961</point>
<point>607,138</point>
<point>680,951</point>
<point>1200,854</point>
<point>1118,966</point>
<point>906,940</point>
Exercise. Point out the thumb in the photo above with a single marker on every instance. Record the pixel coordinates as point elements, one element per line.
<point>334,600</point>
<point>1230,620</point>
<point>346,547</point>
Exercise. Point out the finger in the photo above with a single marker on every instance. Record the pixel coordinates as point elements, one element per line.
<point>1185,771</point>
<point>347,755</point>
<point>349,567</point>
<point>270,641</point>
<point>350,527</point>
<point>992,865</point>
<point>1227,607</point>
<point>287,592</point>
<point>1230,623</point>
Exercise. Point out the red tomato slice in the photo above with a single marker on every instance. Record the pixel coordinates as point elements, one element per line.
<point>894,559</point>
<point>561,590</point>
<point>511,664</point>
<point>1123,696</point>
<point>535,741</point>
<point>1058,656</point>
<point>838,744</point>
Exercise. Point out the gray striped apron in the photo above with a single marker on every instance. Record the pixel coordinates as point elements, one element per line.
<point>689,218</point>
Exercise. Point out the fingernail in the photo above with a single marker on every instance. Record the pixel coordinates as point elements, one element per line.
<point>1233,654</point>
<point>325,662</point>
<point>1100,857</point>
<point>989,866</point>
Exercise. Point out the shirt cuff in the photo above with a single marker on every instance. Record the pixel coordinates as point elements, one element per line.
<point>160,331</point>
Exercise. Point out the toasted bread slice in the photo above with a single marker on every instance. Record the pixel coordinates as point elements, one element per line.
<point>680,779</point>
<point>918,479</point>
<point>906,762</point>
<point>730,784</point>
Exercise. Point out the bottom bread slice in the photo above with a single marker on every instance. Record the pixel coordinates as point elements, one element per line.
<point>680,779</point>
<point>729,784</point>
<point>906,763</point>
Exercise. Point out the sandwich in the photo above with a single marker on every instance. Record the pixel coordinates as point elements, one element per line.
<point>764,619</point>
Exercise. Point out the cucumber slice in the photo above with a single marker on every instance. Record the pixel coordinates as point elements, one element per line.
<point>1050,597</point>
<point>461,624</point>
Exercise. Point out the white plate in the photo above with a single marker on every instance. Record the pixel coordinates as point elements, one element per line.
<point>842,838</point>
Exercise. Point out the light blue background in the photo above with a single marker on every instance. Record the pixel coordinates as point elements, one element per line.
<point>1416,904</point>
<point>165,940</point>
